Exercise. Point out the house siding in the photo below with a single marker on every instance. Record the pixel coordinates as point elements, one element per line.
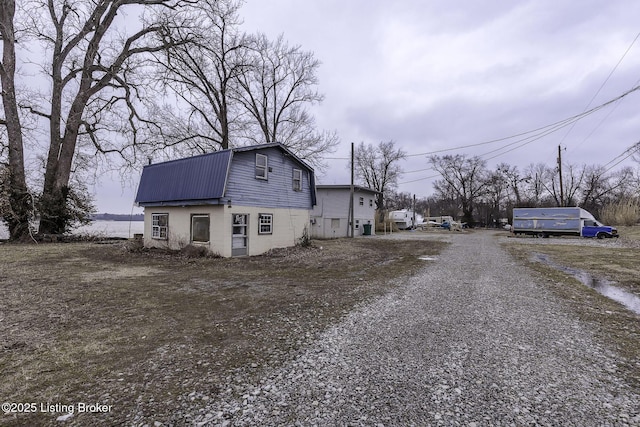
<point>333,204</point>
<point>244,189</point>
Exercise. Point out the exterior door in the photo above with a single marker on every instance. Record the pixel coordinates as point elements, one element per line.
<point>239,235</point>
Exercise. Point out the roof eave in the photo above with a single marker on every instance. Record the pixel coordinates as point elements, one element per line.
<point>181,203</point>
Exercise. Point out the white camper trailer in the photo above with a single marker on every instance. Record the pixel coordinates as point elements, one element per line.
<point>406,219</point>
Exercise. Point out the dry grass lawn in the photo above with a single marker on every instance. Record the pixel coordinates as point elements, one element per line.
<point>612,260</point>
<point>92,322</point>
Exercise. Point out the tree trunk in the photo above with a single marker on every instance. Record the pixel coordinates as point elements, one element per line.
<point>467,213</point>
<point>54,215</point>
<point>17,216</point>
<point>380,207</point>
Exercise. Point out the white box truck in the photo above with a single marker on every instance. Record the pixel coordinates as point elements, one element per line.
<point>545,222</point>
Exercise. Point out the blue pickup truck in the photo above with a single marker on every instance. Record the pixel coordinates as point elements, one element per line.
<point>545,222</point>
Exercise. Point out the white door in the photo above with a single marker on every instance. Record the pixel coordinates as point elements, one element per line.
<point>239,235</point>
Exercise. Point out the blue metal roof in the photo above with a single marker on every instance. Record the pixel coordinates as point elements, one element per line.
<point>200,178</point>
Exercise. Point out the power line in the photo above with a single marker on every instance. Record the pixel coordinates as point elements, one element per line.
<point>419,179</point>
<point>629,151</point>
<point>631,147</point>
<point>538,133</point>
<point>543,131</point>
<point>558,125</point>
<point>419,170</point>
<point>600,88</point>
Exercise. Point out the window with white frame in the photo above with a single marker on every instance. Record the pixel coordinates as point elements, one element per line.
<point>200,228</point>
<point>370,203</point>
<point>297,180</point>
<point>262,166</point>
<point>159,226</point>
<point>265,223</point>
<point>361,201</point>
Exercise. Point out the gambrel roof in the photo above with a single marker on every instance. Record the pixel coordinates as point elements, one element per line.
<point>197,180</point>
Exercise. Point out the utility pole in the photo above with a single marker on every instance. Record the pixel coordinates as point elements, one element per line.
<point>351,206</point>
<point>414,211</point>
<point>560,173</point>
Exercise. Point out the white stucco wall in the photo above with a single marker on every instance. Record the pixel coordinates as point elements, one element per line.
<point>288,227</point>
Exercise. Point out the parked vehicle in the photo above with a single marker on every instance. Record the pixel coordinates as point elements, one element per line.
<point>572,221</point>
<point>405,219</point>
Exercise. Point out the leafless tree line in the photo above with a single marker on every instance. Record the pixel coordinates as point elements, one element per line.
<point>94,86</point>
<point>469,190</point>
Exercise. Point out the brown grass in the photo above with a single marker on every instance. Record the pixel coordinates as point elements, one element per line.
<point>625,212</point>
<point>613,323</point>
<point>95,323</point>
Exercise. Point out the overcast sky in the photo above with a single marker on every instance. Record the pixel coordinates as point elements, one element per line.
<point>434,75</point>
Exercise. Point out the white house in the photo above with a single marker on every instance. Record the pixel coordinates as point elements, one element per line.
<point>330,216</point>
<point>242,201</point>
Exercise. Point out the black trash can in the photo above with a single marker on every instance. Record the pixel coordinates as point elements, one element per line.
<point>366,229</point>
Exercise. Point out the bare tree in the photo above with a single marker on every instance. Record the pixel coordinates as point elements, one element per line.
<point>496,194</point>
<point>463,177</point>
<point>17,203</point>
<point>275,91</point>
<point>377,167</point>
<point>396,200</point>
<point>202,76</point>
<point>572,182</point>
<point>516,182</point>
<point>624,184</point>
<point>92,67</point>
<point>595,188</point>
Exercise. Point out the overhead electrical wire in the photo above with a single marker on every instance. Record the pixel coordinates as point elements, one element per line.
<point>420,179</point>
<point>541,131</point>
<point>600,89</point>
<point>635,148</point>
<point>538,133</point>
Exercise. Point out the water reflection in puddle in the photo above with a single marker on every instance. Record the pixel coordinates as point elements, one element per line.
<point>603,286</point>
<point>427,258</point>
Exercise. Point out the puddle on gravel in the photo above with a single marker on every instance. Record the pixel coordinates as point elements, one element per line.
<point>603,286</point>
<point>427,258</point>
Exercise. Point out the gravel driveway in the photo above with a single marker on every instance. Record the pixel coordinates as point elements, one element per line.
<point>473,340</point>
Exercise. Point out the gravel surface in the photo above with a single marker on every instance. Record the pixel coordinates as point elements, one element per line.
<point>473,340</point>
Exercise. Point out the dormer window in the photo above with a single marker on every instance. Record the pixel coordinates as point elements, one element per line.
<point>262,166</point>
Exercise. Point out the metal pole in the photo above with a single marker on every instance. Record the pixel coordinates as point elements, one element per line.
<point>414,211</point>
<point>560,173</point>
<point>351,205</point>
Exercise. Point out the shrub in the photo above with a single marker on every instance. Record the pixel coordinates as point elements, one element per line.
<point>193,251</point>
<point>305,239</point>
<point>134,246</point>
<point>623,212</point>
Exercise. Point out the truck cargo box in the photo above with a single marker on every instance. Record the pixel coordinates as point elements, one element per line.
<point>569,221</point>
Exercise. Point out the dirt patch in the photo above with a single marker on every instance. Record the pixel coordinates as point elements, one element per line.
<point>91,323</point>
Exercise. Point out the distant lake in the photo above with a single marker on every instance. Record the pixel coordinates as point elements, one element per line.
<point>100,228</point>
